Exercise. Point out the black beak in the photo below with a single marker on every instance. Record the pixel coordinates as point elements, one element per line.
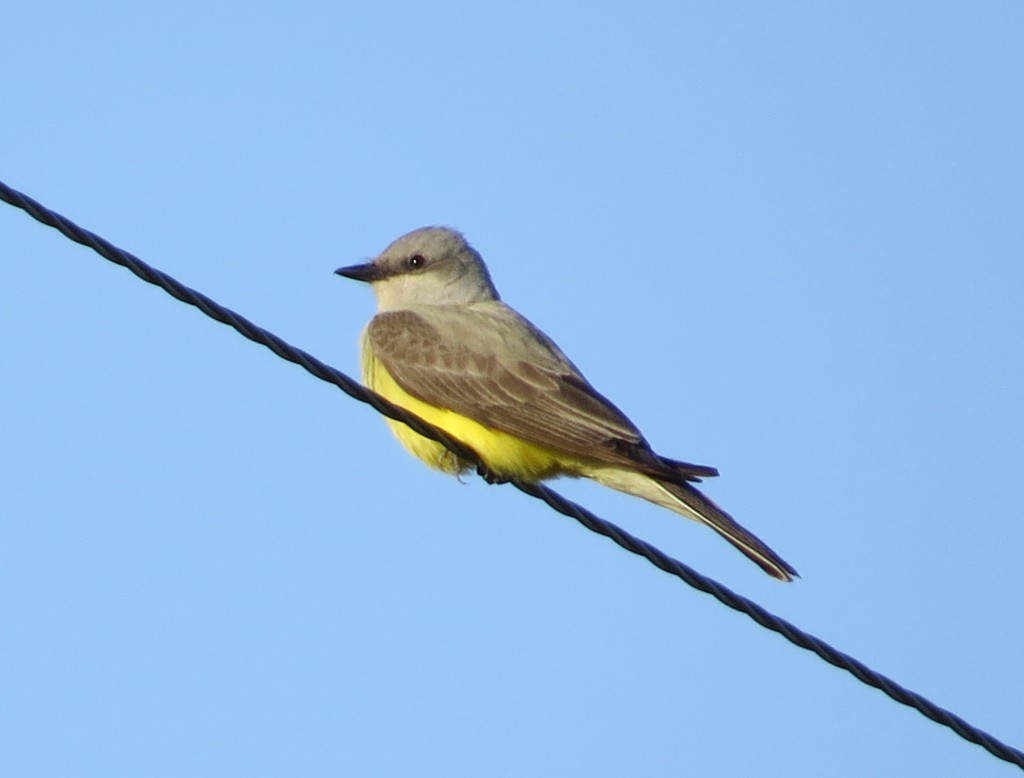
<point>367,272</point>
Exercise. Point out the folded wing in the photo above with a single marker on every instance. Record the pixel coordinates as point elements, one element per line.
<point>491,365</point>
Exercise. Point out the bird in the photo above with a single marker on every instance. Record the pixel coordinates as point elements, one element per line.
<point>444,346</point>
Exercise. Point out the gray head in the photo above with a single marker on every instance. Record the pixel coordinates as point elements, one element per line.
<point>428,266</point>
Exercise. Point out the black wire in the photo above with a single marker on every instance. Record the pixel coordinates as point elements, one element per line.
<point>566,507</point>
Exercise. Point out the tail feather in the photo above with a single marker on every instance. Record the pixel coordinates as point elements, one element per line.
<point>725,525</point>
<point>685,499</point>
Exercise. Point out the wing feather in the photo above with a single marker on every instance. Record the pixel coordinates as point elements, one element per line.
<point>494,367</point>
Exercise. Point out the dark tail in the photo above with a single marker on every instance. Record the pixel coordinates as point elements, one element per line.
<point>726,526</point>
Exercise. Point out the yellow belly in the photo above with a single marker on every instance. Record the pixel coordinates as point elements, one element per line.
<point>505,455</point>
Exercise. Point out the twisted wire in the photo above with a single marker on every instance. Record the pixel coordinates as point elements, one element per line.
<point>556,501</point>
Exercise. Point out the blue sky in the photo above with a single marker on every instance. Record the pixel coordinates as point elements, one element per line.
<point>785,238</point>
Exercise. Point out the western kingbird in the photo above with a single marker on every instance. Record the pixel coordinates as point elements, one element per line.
<point>444,346</point>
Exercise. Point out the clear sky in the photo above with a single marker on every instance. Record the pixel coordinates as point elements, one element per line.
<point>786,238</point>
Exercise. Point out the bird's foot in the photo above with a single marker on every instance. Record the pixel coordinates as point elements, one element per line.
<point>490,476</point>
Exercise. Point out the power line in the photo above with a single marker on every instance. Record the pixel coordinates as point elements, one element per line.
<point>566,507</point>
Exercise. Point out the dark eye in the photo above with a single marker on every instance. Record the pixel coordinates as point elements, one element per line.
<point>416,261</point>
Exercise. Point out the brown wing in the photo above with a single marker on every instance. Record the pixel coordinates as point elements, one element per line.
<point>494,367</point>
